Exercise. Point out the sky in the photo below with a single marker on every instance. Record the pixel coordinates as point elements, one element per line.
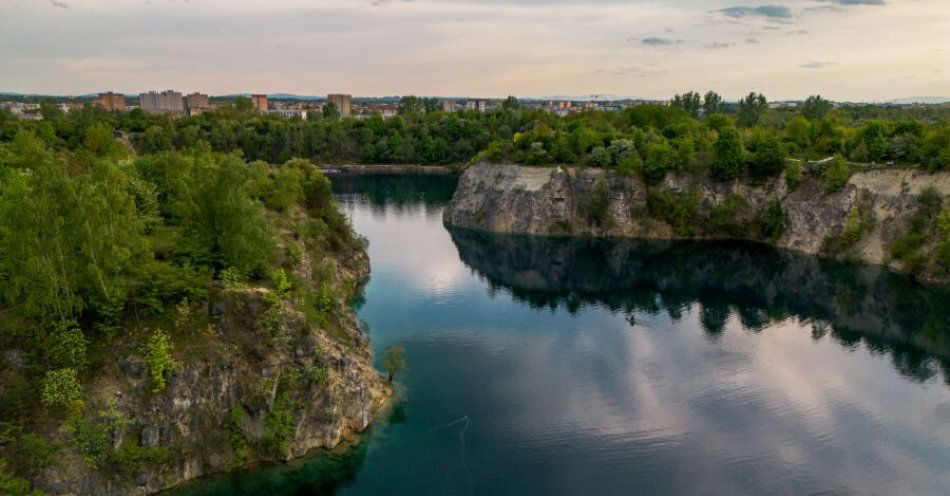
<point>855,50</point>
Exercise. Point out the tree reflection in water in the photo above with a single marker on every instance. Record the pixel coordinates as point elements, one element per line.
<point>761,285</point>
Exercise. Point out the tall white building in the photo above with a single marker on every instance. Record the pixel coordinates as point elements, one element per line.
<point>166,102</point>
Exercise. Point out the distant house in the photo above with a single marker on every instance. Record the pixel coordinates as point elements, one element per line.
<point>289,112</point>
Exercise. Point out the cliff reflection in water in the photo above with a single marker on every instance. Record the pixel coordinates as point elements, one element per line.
<point>760,285</point>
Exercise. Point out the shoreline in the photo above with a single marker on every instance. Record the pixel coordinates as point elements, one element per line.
<point>408,169</point>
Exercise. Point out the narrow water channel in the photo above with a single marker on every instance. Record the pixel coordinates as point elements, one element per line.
<point>553,366</point>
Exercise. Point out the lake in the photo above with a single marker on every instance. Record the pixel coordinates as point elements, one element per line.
<point>541,366</point>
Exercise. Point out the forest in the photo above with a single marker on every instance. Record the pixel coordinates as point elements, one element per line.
<point>748,136</point>
<point>102,248</point>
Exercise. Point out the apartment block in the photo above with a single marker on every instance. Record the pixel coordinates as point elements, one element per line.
<point>259,102</point>
<point>343,103</point>
<point>166,102</point>
<point>110,101</point>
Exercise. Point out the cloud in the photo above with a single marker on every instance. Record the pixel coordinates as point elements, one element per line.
<point>61,5</point>
<point>817,65</point>
<point>718,45</point>
<point>657,41</point>
<point>770,11</point>
<point>859,2</point>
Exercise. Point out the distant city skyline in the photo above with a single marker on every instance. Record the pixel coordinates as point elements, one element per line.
<point>848,50</point>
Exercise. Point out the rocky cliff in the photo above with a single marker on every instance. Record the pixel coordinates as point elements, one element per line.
<point>561,200</point>
<point>256,380</point>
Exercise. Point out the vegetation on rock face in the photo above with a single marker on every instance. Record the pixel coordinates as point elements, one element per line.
<point>394,361</point>
<point>108,256</point>
<point>925,245</point>
<point>836,174</point>
<point>158,358</point>
<point>860,220</point>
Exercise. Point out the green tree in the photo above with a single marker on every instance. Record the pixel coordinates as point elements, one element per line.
<point>243,104</point>
<point>286,188</point>
<point>222,224</point>
<point>157,139</point>
<point>411,104</point>
<point>67,241</point>
<point>815,107</point>
<point>690,102</point>
<point>769,157</point>
<point>659,161</point>
<point>510,103</point>
<point>836,174</point>
<point>394,361</point>
<point>798,131</point>
<point>330,111</point>
<point>751,109</point>
<point>712,103</point>
<point>730,153</point>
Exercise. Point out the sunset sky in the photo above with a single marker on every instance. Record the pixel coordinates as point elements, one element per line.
<point>858,50</point>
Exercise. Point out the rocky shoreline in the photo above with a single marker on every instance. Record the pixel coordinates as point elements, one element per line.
<point>233,393</point>
<point>555,201</point>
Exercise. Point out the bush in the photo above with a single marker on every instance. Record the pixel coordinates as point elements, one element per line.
<point>61,387</point>
<point>836,174</point>
<point>679,210</point>
<point>286,188</point>
<point>728,218</point>
<point>793,175</point>
<point>158,358</point>
<point>282,284</point>
<point>93,437</point>
<point>317,375</point>
<point>131,456</point>
<point>279,423</point>
<point>729,155</point>
<point>770,223</point>
<point>11,485</point>
<point>67,346</point>
<point>769,157</point>
<point>595,206</point>
<point>860,219</point>
<point>928,227</point>
<point>659,161</point>
<point>37,454</point>
<point>236,437</point>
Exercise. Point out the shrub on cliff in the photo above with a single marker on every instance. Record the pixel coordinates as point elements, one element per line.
<point>158,358</point>
<point>659,161</point>
<point>60,388</point>
<point>11,485</point>
<point>770,223</point>
<point>729,157</point>
<point>595,206</point>
<point>925,245</point>
<point>836,174</point>
<point>678,209</point>
<point>769,158</point>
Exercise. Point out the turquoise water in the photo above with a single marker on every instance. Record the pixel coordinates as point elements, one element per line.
<point>544,366</point>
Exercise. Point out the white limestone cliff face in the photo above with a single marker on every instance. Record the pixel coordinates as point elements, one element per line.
<point>550,200</point>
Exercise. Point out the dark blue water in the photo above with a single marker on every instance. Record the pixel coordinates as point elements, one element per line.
<point>545,367</point>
